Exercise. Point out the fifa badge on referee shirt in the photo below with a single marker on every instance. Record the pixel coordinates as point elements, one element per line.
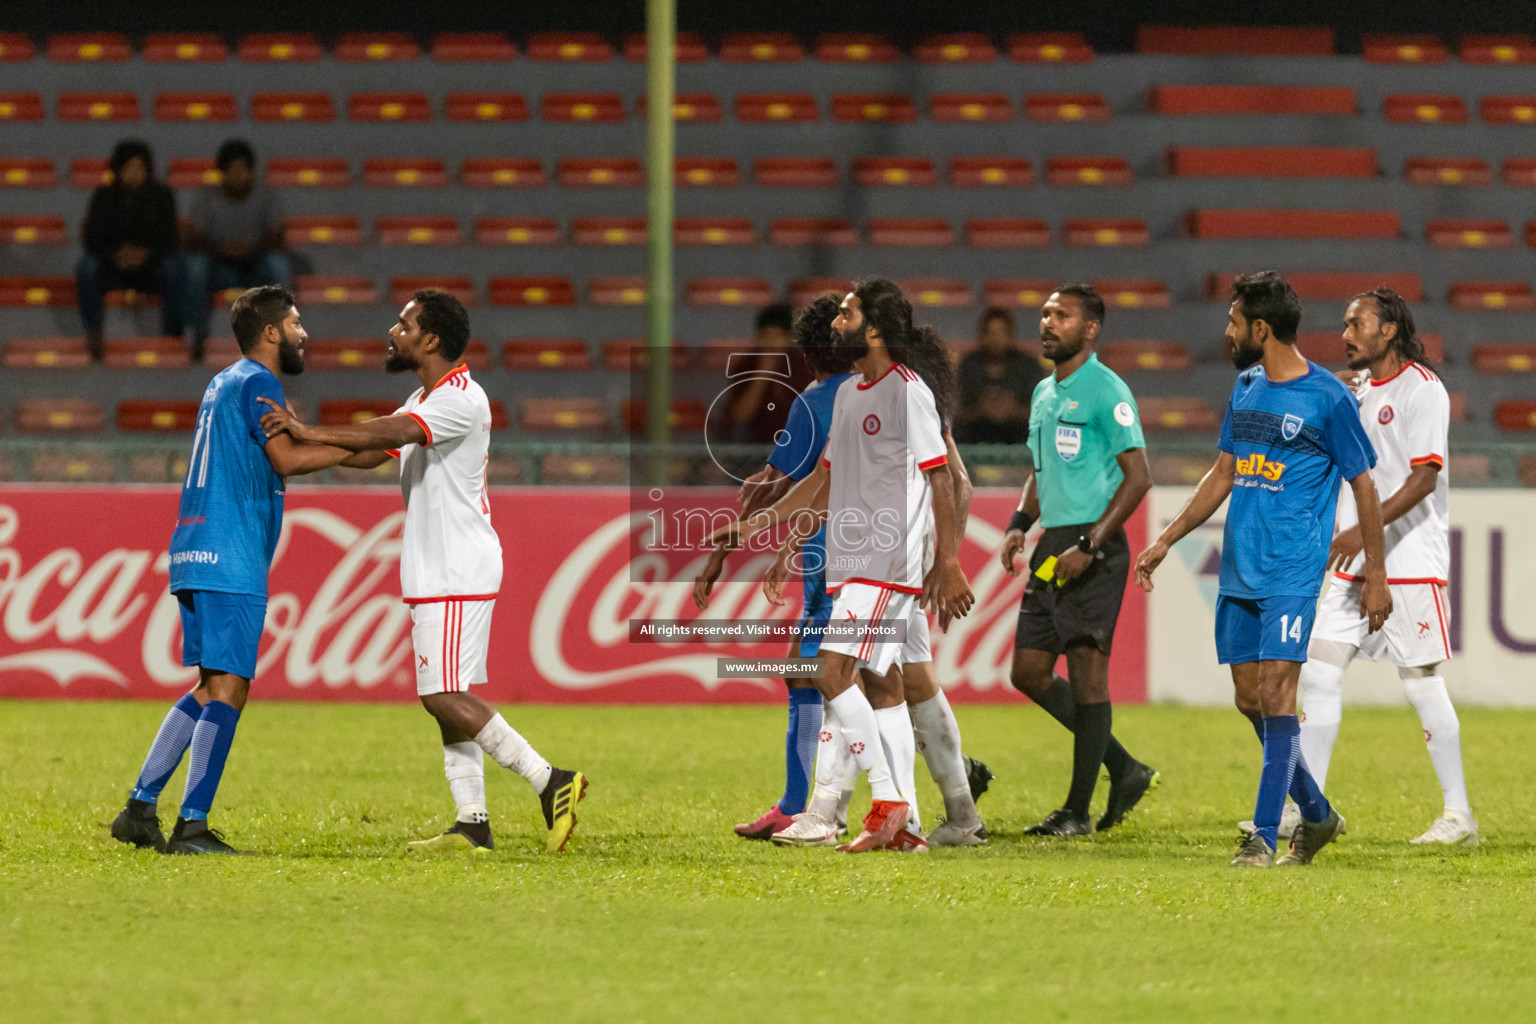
<point>1069,441</point>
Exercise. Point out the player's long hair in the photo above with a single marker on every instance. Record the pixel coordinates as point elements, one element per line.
<point>1391,309</point>
<point>887,310</point>
<point>813,334</point>
<point>929,359</point>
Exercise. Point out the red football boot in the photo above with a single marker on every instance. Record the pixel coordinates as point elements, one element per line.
<point>884,820</point>
<point>767,826</point>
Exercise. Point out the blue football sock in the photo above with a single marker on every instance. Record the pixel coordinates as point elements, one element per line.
<point>1282,748</point>
<point>210,747</point>
<point>800,748</point>
<point>1304,791</point>
<point>169,746</point>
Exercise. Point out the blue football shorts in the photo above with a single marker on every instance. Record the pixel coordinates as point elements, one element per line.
<point>221,632</point>
<point>815,615</point>
<point>1263,628</point>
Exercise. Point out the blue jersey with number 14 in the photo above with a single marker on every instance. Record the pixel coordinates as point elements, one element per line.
<point>232,500</point>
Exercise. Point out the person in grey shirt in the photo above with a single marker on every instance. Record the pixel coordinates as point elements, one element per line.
<point>233,235</point>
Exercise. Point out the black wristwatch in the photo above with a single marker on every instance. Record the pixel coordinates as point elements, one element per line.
<point>1087,546</point>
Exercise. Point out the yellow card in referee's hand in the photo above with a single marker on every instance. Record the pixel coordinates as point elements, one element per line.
<point>1047,570</point>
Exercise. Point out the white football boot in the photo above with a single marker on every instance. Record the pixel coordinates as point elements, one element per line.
<point>809,829</point>
<point>950,834</point>
<point>1452,828</point>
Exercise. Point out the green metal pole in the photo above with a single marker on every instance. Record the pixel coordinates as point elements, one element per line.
<point>660,37</point>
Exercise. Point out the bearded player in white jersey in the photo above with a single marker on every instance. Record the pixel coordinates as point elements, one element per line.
<point>450,564</point>
<point>1406,413</point>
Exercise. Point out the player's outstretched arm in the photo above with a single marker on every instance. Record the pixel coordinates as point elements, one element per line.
<point>379,434</point>
<point>1213,490</point>
<point>945,590</point>
<point>1024,517</point>
<point>290,458</point>
<point>803,528</point>
<point>809,495</point>
<point>1375,595</point>
<point>1135,482</point>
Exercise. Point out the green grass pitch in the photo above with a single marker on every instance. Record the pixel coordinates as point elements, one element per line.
<point>658,913</point>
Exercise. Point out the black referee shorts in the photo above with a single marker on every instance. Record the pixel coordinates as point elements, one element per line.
<point>1052,617</point>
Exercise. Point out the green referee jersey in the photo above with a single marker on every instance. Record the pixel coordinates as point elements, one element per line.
<point>1076,428</point>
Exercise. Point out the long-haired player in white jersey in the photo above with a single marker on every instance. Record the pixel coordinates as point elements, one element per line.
<point>1406,413</point>
<point>450,564</point>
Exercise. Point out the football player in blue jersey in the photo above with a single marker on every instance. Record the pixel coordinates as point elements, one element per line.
<point>1291,431</point>
<point>221,549</point>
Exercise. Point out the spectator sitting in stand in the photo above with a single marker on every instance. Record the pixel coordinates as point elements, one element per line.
<point>129,237</point>
<point>757,410</point>
<point>997,381</point>
<point>233,236</point>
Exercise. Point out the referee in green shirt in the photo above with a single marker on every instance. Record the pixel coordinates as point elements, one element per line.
<point>1090,473</point>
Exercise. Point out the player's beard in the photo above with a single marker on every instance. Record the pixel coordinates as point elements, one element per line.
<point>1244,356</point>
<point>398,362</point>
<point>290,357</point>
<point>852,345</point>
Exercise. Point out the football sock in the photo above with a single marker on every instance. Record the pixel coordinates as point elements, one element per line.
<point>901,754</point>
<point>833,765</point>
<point>1058,702</point>
<point>1089,739</point>
<point>464,764</point>
<point>512,752</point>
<point>938,737</point>
<point>1442,734</point>
<point>1282,748</point>
<point>800,742</point>
<point>862,733</point>
<point>210,748</point>
<point>170,744</point>
<point>1304,789</point>
<point>1322,706</point>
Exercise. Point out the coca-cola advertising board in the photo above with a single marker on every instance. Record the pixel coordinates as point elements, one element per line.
<point>85,613</point>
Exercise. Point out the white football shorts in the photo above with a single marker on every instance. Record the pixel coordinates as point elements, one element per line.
<point>1416,633</point>
<point>450,639</point>
<point>868,605</point>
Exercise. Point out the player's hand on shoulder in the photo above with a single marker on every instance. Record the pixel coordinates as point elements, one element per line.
<point>1344,548</point>
<point>1147,563</point>
<point>1013,547</point>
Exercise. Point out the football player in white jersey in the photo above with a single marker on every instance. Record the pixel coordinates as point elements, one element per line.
<point>450,564</point>
<point>1406,412</point>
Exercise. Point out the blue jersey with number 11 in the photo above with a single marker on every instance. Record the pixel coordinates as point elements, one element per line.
<point>232,500</point>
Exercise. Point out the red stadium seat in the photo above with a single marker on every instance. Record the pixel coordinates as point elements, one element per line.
<point>516,231</point>
<point>546,354</point>
<point>936,291</point>
<point>812,231</point>
<point>609,231</point>
<point>687,48</point>
<point>89,47</point>
<point>565,468</point>
<point>1272,162</point>
<point>192,172</point>
<point>1504,358</point>
<point>989,107</point>
<point>21,106</point>
<point>459,286</point>
<point>335,289</point>
<point>873,171</point>
<point>485,106</point>
<point>195,106</point>
<point>761,48</point>
<point>628,354</point>
<point>377,46</point>
<point>1461,233</point>
<point>770,107</point>
<point>1519,172</point>
<point>501,172</point>
<point>58,416</point>
<point>1404,49</point>
<point>404,172</point>
<point>16,47</point>
<point>1080,232</point>
<point>688,108</point>
<point>371,107</point>
<point>718,171</point>
<point>956,48</point>
<point>1007,233</point>
<point>337,412</point>
<point>582,107</point>
<point>1178,414</point>
<point>1512,415</point>
<point>616,290</point>
<point>46,354</point>
<point>545,415</point>
<point>311,107</point>
<point>1530,234</point>
<point>27,172</point>
<point>98,106</point>
<point>477,47</point>
<point>1049,48</point>
<point>1324,347</point>
<point>344,353</point>
<point>1087,170</point>
<point>1508,49</point>
<point>417,231</point>
<point>583,47</point>
<point>1508,109</point>
<point>1023,293</point>
<point>713,231</point>
<point>805,290</point>
<point>312,172</point>
<point>856,48</point>
<point>34,229</point>
<point>1294,224</point>
<point>1134,294</point>
<point>88,172</point>
<point>686,414</point>
<point>1063,106</point>
<point>280,47</point>
<point>1418,108</point>
<point>532,291</point>
<point>1447,170</point>
<point>185,48</point>
<point>728,291</point>
<point>39,291</point>
<point>1527,470</point>
<point>1458,407</point>
<point>1134,356</point>
<point>906,231</point>
<point>795,171</point>
<point>1475,296</point>
<point>890,108</point>
<point>1250,99</point>
<point>148,415</point>
<point>1236,41</point>
<point>1327,286</point>
<point>990,171</point>
<point>145,354</point>
<point>602,171</point>
<point>128,298</point>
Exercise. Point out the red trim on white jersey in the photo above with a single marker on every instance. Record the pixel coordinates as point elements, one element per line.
<point>876,614</point>
<point>1398,582</point>
<point>424,427</point>
<point>933,463</point>
<point>1410,364</point>
<point>450,597</point>
<point>865,385</point>
<point>462,368</point>
<point>1440,611</point>
<point>824,463</point>
<point>906,372</point>
<point>1424,460</point>
<point>900,588</point>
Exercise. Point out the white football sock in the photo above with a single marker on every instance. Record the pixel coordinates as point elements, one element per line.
<point>464,764</point>
<point>901,754</point>
<point>833,766</point>
<point>863,735</point>
<point>1322,705</point>
<point>938,737</point>
<point>1442,734</point>
<point>511,751</point>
